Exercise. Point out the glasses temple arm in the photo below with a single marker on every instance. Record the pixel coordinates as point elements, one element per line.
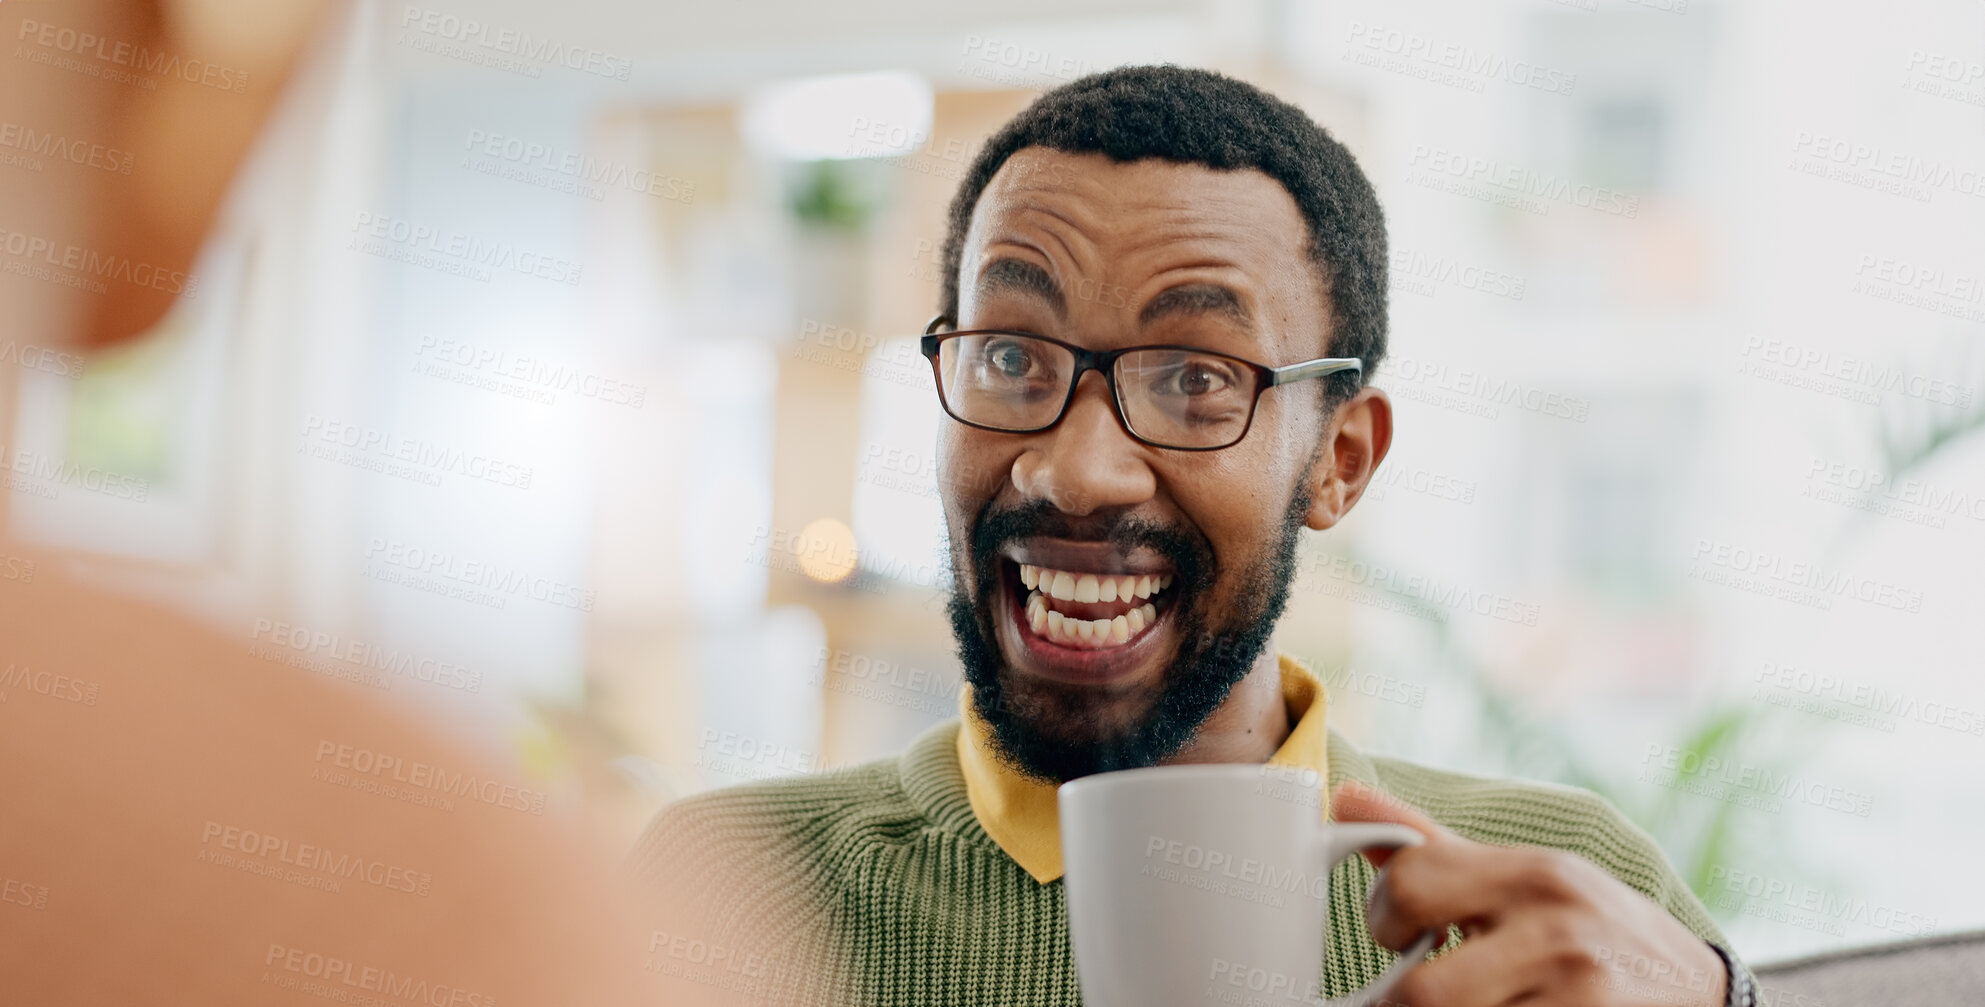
<point>1313,369</point>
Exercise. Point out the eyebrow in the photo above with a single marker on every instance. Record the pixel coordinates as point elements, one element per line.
<point>1197,299</point>
<point>1019,276</point>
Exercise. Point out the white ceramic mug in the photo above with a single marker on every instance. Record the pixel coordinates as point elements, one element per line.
<point>1208,884</point>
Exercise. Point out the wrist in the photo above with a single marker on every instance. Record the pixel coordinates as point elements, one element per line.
<point>1738,990</point>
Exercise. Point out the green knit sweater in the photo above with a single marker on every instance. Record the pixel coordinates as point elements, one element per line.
<point>875,884</point>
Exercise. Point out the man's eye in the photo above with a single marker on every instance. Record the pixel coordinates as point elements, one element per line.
<point>1200,381</point>
<point>1009,360</point>
<point>1197,378</point>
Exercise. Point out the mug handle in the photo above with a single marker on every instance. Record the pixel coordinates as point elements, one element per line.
<point>1346,838</point>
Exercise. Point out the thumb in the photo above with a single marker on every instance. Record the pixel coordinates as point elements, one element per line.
<point>1357,802</point>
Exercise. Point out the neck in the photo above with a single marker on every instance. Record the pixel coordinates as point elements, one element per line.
<point>1249,726</point>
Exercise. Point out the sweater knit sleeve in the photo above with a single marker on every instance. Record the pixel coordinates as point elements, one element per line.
<point>729,900</point>
<point>743,883</point>
<point>1510,812</point>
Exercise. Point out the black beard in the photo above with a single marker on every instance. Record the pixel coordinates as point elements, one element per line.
<point>1053,732</point>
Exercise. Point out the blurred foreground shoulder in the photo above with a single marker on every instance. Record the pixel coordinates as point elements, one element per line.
<point>233,826</point>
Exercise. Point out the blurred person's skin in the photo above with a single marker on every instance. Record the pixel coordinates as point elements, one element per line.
<point>178,820</point>
<point>180,814</point>
<point>184,138</point>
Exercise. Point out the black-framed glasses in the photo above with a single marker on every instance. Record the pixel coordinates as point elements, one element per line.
<point>1184,398</point>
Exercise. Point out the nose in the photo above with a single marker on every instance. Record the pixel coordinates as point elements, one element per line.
<point>1088,462</point>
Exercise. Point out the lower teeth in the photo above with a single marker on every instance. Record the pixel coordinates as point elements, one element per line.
<point>1090,633</point>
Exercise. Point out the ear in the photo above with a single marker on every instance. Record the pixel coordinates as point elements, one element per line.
<point>1355,440</point>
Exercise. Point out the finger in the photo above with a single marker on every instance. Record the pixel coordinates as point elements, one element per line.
<point>1503,966</point>
<point>1455,880</point>
<point>1356,802</point>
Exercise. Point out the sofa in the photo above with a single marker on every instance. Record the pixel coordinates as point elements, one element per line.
<point>1942,971</point>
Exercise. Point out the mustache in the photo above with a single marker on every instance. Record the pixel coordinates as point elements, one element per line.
<point>1190,554</point>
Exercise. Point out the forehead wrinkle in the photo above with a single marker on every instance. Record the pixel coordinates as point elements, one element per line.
<point>1200,208</point>
<point>1204,197</point>
<point>1197,220</point>
<point>1056,235</point>
<point>1148,226</point>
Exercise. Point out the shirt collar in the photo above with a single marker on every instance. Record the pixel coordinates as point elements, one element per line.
<point>1020,813</point>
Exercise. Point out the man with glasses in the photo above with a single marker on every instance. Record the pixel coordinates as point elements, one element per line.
<point>1153,459</point>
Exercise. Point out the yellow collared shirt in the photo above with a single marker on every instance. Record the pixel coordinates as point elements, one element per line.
<point>1019,812</point>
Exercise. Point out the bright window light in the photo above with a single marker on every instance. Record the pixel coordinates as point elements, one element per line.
<point>847,116</point>
<point>897,517</point>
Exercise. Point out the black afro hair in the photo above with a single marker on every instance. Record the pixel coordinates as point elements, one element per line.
<point>1198,116</point>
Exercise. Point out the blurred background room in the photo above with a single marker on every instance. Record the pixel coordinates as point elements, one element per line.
<point>553,371</point>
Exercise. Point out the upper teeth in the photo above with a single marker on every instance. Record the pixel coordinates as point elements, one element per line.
<point>1066,585</point>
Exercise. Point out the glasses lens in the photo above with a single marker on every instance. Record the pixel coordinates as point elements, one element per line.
<point>1002,380</point>
<point>1186,400</point>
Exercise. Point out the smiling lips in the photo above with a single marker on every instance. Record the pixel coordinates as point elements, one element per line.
<point>1090,611</point>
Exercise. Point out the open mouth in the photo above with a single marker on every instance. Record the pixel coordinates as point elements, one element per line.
<point>1090,610</point>
<point>1075,604</point>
